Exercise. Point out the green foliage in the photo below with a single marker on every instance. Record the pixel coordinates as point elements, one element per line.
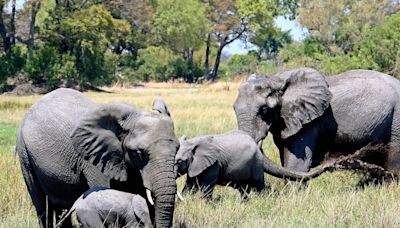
<point>161,64</point>
<point>11,63</point>
<point>339,64</point>
<point>180,24</point>
<point>90,32</point>
<point>48,66</point>
<point>242,64</point>
<point>380,49</point>
<point>156,63</point>
<point>270,42</point>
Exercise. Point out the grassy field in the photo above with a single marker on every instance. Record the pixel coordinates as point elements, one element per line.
<point>331,200</point>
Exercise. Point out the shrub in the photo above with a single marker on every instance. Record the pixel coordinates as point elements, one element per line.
<point>242,64</point>
<point>11,63</point>
<point>48,67</point>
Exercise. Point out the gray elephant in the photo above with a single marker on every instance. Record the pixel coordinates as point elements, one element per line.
<point>233,159</point>
<point>99,207</point>
<point>68,144</point>
<point>314,119</point>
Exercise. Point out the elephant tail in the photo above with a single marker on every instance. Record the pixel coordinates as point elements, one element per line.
<point>281,172</point>
<point>69,212</point>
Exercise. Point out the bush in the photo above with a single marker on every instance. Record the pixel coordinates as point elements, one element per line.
<point>11,63</point>
<point>379,50</point>
<point>161,64</point>
<point>156,63</point>
<point>339,64</point>
<point>242,64</point>
<point>48,67</point>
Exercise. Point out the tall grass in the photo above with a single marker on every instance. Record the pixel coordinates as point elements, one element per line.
<point>331,200</point>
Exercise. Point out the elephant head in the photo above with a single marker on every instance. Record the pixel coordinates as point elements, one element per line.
<point>184,156</point>
<point>195,155</point>
<point>283,103</point>
<point>117,136</point>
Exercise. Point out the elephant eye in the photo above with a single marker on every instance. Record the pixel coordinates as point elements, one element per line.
<point>263,110</point>
<point>141,153</point>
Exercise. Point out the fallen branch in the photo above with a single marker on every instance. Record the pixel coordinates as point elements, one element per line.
<point>354,162</point>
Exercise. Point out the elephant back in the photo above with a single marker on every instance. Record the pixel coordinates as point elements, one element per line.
<point>363,105</point>
<point>46,129</point>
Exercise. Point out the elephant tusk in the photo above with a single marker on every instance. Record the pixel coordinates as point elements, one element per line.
<point>149,197</point>
<point>178,193</point>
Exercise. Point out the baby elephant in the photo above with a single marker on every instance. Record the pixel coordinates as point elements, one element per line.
<point>104,207</point>
<point>232,159</point>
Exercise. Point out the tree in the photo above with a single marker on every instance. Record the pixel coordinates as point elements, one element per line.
<point>341,23</point>
<point>269,42</point>
<point>180,25</point>
<point>90,33</point>
<point>380,49</point>
<point>241,19</point>
<point>33,8</point>
<point>5,33</point>
<point>139,14</point>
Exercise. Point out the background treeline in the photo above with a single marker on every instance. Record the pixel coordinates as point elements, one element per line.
<point>85,43</point>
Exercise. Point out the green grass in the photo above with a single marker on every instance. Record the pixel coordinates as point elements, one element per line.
<point>331,200</point>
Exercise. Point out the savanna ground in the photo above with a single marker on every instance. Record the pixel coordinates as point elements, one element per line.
<point>331,200</point>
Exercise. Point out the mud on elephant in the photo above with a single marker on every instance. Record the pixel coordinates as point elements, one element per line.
<point>68,144</point>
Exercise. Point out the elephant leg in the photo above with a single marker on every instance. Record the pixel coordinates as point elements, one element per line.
<point>298,150</point>
<point>191,185</point>
<point>44,210</point>
<point>89,218</point>
<point>299,159</point>
<point>393,158</point>
<point>208,179</point>
<point>38,197</point>
<point>371,179</point>
<point>259,186</point>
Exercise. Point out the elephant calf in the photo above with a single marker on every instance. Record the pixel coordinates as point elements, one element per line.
<point>99,207</point>
<point>232,158</point>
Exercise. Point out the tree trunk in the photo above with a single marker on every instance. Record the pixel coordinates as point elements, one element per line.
<point>13,30</point>
<point>31,40</point>
<point>3,31</point>
<point>207,60</point>
<point>217,61</point>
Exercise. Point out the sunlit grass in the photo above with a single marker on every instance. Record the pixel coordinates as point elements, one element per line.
<point>331,200</point>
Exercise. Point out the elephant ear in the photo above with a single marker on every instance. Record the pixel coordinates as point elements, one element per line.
<point>160,106</point>
<point>97,138</point>
<point>204,156</point>
<point>306,97</point>
<point>141,210</point>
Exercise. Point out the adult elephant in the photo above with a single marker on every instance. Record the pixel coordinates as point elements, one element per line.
<point>313,118</point>
<point>68,144</point>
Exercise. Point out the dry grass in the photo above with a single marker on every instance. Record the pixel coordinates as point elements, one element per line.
<point>329,201</point>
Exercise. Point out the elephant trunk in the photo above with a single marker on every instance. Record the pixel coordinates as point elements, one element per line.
<point>246,123</point>
<point>278,171</point>
<point>164,190</point>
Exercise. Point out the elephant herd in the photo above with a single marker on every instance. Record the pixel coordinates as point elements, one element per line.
<point>68,145</point>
